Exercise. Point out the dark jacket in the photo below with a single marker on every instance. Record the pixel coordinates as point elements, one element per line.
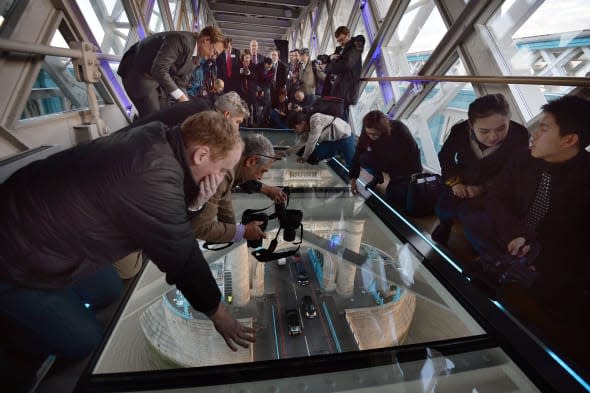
<point>398,154</point>
<point>166,57</point>
<point>88,206</point>
<point>562,234</point>
<point>458,159</point>
<point>231,83</point>
<point>347,71</point>
<point>175,114</point>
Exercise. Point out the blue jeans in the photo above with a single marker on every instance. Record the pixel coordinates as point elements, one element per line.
<point>57,321</point>
<point>329,149</point>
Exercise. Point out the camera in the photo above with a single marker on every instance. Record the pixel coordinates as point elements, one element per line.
<point>250,215</point>
<point>289,220</point>
<point>323,59</point>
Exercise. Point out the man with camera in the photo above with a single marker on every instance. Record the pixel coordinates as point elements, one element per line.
<point>116,194</point>
<point>257,158</point>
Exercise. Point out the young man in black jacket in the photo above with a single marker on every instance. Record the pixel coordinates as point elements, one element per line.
<point>537,217</point>
<point>75,213</point>
<point>344,68</point>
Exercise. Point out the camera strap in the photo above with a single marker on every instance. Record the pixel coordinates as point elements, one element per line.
<point>207,246</point>
<point>268,254</point>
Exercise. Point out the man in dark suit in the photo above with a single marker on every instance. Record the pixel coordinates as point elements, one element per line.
<point>257,58</point>
<point>228,67</point>
<point>158,67</point>
<point>281,72</point>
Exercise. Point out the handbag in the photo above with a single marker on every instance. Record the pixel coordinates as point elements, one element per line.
<point>423,192</point>
<point>333,106</point>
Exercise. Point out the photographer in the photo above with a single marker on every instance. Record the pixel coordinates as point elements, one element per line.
<point>345,66</point>
<point>257,158</point>
<point>321,136</point>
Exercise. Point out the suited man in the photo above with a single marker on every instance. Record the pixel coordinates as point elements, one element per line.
<point>158,67</point>
<point>281,73</point>
<point>228,66</point>
<point>256,57</point>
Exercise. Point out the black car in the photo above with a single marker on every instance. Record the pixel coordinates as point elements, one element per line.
<point>302,278</point>
<point>308,307</point>
<point>293,322</point>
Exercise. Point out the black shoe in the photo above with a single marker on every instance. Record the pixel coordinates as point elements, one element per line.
<point>442,233</point>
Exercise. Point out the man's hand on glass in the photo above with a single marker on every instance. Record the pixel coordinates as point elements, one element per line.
<point>231,330</point>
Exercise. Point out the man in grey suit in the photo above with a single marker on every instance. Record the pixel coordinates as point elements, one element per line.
<point>158,67</point>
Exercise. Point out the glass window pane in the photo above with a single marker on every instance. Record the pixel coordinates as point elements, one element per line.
<point>322,24</point>
<point>383,6</point>
<point>156,20</point>
<point>190,15</point>
<point>552,40</point>
<point>306,37</point>
<point>359,29</point>
<point>4,9</point>
<point>370,99</point>
<point>445,105</point>
<point>342,13</point>
<point>331,45</point>
<point>108,22</point>
<point>56,89</point>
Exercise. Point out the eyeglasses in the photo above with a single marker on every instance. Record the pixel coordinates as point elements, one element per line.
<point>276,158</point>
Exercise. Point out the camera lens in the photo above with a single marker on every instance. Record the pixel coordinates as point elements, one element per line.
<point>289,234</point>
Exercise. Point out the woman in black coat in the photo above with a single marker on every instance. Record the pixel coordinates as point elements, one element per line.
<point>386,146</point>
<point>475,152</point>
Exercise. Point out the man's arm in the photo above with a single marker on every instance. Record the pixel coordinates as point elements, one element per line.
<point>170,51</point>
<point>315,131</point>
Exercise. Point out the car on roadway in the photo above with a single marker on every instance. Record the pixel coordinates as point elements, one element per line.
<point>293,322</point>
<point>308,307</point>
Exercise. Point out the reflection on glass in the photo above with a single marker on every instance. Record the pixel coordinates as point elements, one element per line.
<point>342,13</point>
<point>189,15</point>
<point>539,43</point>
<point>445,105</point>
<point>156,20</point>
<point>367,288</point>
<point>108,22</point>
<point>370,99</point>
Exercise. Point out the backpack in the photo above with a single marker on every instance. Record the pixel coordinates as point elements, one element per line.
<point>333,106</point>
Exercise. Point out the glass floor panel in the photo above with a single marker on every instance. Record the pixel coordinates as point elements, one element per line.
<point>367,290</point>
<point>487,370</point>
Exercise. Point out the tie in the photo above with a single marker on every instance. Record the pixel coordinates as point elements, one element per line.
<point>254,57</point>
<point>228,64</point>
<point>540,205</point>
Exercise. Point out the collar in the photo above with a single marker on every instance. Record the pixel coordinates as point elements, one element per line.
<point>191,188</point>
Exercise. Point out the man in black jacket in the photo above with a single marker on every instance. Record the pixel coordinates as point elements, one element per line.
<point>344,68</point>
<point>159,67</point>
<point>538,210</point>
<point>73,214</point>
<point>539,221</point>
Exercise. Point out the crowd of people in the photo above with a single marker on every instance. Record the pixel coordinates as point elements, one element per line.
<point>156,185</point>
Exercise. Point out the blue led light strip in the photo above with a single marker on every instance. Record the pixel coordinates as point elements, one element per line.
<point>549,351</point>
<point>332,330</point>
<point>274,325</point>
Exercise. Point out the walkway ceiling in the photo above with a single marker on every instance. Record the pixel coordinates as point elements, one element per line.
<point>260,20</point>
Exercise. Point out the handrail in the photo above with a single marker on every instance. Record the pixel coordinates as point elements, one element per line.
<point>520,80</point>
<point>47,50</point>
